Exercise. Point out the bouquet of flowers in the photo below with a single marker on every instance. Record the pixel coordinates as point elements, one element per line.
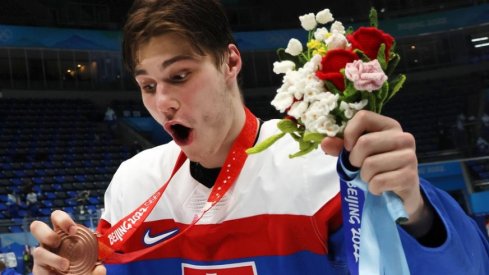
<point>338,73</point>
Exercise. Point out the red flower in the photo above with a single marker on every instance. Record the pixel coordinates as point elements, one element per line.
<point>332,63</point>
<point>368,40</point>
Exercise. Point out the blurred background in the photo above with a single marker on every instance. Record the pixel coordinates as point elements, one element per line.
<point>70,113</point>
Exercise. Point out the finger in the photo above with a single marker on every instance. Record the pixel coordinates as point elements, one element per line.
<point>46,259</point>
<point>44,234</point>
<point>332,145</point>
<point>61,220</point>
<point>99,270</point>
<point>366,121</point>
<point>385,162</point>
<point>40,270</point>
<point>402,182</point>
<point>380,142</point>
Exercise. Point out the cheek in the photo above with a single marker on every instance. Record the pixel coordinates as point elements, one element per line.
<point>146,102</point>
<point>149,104</point>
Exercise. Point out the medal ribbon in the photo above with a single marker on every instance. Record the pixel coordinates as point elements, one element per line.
<point>113,241</point>
<point>373,243</point>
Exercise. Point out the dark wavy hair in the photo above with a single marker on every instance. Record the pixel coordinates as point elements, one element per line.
<point>203,23</point>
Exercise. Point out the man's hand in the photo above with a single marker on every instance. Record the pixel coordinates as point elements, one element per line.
<point>387,158</point>
<point>46,262</point>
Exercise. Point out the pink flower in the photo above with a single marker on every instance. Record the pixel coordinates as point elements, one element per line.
<point>366,76</point>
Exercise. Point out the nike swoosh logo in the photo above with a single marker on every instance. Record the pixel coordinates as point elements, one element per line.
<point>150,240</point>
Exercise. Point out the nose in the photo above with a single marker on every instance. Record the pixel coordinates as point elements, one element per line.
<point>166,102</point>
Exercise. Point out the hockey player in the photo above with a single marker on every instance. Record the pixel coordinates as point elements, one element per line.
<point>223,212</point>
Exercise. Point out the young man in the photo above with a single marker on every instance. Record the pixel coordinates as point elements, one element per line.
<point>225,213</point>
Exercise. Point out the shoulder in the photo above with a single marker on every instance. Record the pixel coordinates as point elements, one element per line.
<point>162,155</point>
<point>146,168</point>
<point>137,178</point>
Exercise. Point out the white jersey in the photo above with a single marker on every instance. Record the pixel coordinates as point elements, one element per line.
<point>270,182</point>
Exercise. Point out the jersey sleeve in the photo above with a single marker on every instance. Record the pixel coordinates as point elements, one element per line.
<point>465,249</point>
<point>110,203</point>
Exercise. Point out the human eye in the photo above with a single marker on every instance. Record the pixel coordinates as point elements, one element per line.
<point>148,87</point>
<point>179,77</point>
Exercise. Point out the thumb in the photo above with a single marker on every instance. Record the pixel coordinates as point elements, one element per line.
<point>332,145</point>
<point>99,270</point>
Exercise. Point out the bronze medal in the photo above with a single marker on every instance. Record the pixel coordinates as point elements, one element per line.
<point>80,249</point>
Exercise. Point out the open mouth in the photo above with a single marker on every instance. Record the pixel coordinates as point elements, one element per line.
<point>180,133</point>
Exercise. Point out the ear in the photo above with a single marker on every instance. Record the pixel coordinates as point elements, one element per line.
<point>232,62</point>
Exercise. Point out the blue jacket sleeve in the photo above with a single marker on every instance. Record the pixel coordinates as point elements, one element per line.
<point>465,249</point>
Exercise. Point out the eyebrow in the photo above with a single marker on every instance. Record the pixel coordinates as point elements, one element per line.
<point>166,63</point>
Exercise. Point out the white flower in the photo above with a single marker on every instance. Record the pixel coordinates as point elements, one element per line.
<point>290,78</point>
<point>310,95</point>
<point>308,21</point>
<point>322,104</point>
<point>311,115</point>
<point>283,66</point>
<point>313,64</point>
<point>298,109</point>
<point>336,41</point>
<point>297,83</point>
<point>294,47</point>
<point>313,88</point>
<point>337,26</point>
<point>358,105</point>
<point>324,124</point>
<point>315,91</point>
<point>348,112</point>
<point>324,16</point>
<point>327,125</point>
<point>350,109</point>
<point>321,34</point>
<point>294,84</point>
<point>316,59</point>
<point>327,101</point>
<point>282,101</point>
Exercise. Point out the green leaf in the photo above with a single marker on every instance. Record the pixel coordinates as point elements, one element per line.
<point>374,21</point>
<point>282,55</point>
<point>349,30</point>
<point>315,137</point>
<point>362,55</point>
<point>304,145</point>
<point>338,114</point>
<point>264,144</point>
<point>383,93</point>
<point>396,85</point>
<point>350,93</point>
<point>287,126</point>
<point>393,62</point>
<point>379,107</point>
<point>303,152</point>
<point>393,47</point>
<point>349,89</point>
<point>381,57</point>
<point>295,136</point>
<point>331,87</point>
<point>372,102</point>
<point>382,96</point>
<point>303,58</point>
